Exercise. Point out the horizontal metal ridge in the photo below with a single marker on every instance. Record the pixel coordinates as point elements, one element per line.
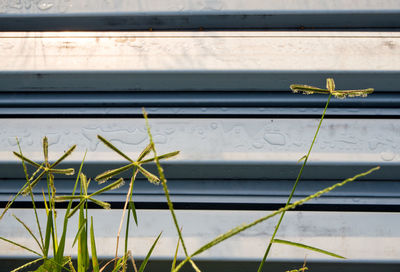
<point>203,104</point>
<point>195,61</point>
<point>221,14</point>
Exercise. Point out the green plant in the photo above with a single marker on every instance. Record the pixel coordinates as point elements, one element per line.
<point>52,248</point>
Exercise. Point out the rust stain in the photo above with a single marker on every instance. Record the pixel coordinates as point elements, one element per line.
<point>389,44</point>
<point>67,45</point>
<point>121,40</point>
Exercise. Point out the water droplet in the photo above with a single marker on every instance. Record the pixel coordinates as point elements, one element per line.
<point>224,109</point>
<point>15,4</point>
<point>169,131</point>
<point>275,138</point>
<point>214,125</point>
<point>27,4</point>
<point>388,156</point>
<point>258,145</point>
<point>160,139</point>
<point>53,139</point>
<point>44,5</point>
<point>30,141</point>
<point>12,141</point>
<point>203,109</point>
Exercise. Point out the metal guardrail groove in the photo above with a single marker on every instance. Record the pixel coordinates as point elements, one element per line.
<point>189,15</point>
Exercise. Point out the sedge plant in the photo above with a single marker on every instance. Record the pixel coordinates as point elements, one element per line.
<point>51,254</point>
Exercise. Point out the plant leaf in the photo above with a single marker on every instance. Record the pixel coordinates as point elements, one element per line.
<point>103,204</point>
<point>80,229</point>
<point>19,245</point>
<point>150,177</point>
<point>144,263</point>
<point>243,227</point>
<point>176,255</point>
<point>22,157</point>
<point>133,209</point>
<point>115,185</point>
<point>110,173</point>
<point>285,242</point>
<point>162,157</point>
<point>46,150</point>
<point>330,85</point>
<point>145,152</point>
<point>110,145</point>
<point>66,154</point>
<point>27,265</point>
<point>68,172</point>
<point>73,211</point>
<point>28,230</point>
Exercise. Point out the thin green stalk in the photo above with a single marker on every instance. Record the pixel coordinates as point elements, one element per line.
<point>294,186</point>
<point>32,199</point>
<point>166,192</point>
<point>244,227</point>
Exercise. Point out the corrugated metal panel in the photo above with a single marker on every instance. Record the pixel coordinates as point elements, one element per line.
<point>185,14</point>
<point>222,99</point>
<point>362,237</point>
<point>194,74</point>
<point>226,163</point>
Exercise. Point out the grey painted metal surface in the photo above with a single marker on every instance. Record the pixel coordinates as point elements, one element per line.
<point>190,61</point>
<point>255,159</point>
<point>178,14</point>
<point>257,104</point>
<point>361,237</point>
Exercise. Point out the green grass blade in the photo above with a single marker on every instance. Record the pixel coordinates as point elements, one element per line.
<point>110,145</point>
<point>29,231</point>
<point>175,256</point>
<point>95,262</point>
<point>243,227</point>
<point>115,185</point>
<point>82,244</point>
<point>144,263</point>
<point>22,157</point>
<point>166,192</point>
<point>150,177</point>
<point>67,198</point>
<point>26,265</point>
<point>21,246</point>
<point>131,203</point>
<point>145,152</point>
<point>33,184</point>
<point>68,172</point>
<point>84,183</point>
<point>32,198</point>
<point>46,150</point>
<point>133,209</point>
<point>76,208</point>
<point>161,157</point>
<point>285,242</point>
<point>104,205</point>
<point>103,177</point>
<point>297,180</point>
<point>127,231</point>
<point>330,85</point>
<point>120,263</point>
<point>80,229</point>
<point>307,89</point>
<point>66,154</point>
<point>61,247</point>
<point>47,236</point>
